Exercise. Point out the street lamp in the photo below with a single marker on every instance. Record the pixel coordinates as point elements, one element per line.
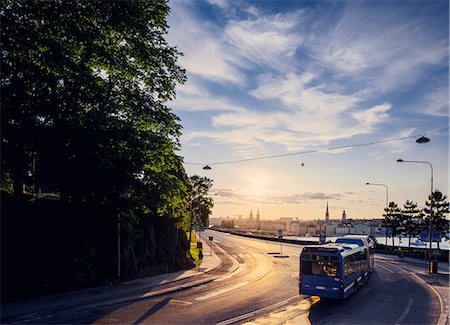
<point>431,198</point>
<point>422,139</point>
<point>387,191</point>
<point>387,201</point>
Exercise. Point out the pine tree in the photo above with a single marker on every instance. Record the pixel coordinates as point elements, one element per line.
<point>412,217</point>
<point>392,218</point>
<point>436,209</point>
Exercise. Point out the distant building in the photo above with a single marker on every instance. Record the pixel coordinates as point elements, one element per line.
<point>342,230</point>
<point>327,215</point>
<point>360,230</point>
<point>257,216</point>
<point>344,217</point>
<point>311,229</point>
<point>298,228</point>
<point>250,217</point>
<point>330,230</point>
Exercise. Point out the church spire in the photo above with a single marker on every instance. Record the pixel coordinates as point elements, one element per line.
<point>327,215</point>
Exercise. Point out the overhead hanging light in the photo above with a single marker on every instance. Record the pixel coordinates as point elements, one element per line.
<point>422,139</point>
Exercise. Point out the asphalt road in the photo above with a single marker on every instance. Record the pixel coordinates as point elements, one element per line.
<point>257,283</point>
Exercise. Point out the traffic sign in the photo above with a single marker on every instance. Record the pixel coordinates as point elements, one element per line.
<point>437,236</point>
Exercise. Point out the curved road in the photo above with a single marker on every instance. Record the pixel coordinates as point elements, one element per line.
<point>257,284</point>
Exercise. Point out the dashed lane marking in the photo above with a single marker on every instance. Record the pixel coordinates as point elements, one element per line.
<point>405,312</point>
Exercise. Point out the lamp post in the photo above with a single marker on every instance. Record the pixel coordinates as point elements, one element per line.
<point>387,191</point>
<point>387,199</point>
<point>431,197</point>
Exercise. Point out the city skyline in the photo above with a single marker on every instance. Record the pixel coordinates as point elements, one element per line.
<point>277,78</point>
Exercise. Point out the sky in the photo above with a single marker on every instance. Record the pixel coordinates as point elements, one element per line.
<point>291,78</point>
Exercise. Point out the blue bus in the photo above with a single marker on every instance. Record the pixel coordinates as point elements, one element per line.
<point>336,270</point>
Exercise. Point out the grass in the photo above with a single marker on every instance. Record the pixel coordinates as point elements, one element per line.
<point>194,251</point>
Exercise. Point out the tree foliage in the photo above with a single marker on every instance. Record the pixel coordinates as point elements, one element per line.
<point>84,86</point>
<point>436,209</point>
<point>392,218</point>
<point>201,201</point>
<point>412,219</point>
<point>83,108</point>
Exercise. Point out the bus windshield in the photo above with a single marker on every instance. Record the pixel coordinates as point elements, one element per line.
<point>321,268</point>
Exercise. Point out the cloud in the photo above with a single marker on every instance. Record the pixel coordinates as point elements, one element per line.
<point>301,79</point>
<point>372,116</point>
<point>266,40</point>
<point>191,97</point>
<point>436,103</point>
<point>240,196</point>
<point>205,53</point>
<point>304,117</point>
<point>386,47</point>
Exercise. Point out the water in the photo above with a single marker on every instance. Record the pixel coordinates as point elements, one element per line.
<point>398,242</point>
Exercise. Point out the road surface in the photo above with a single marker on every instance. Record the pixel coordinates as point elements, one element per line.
<point>257,283</point>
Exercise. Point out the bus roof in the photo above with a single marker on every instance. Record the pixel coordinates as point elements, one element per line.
<point>344,249</point>
<point>360,240</point>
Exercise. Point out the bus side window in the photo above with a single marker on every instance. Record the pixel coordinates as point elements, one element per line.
<point>348,267</point>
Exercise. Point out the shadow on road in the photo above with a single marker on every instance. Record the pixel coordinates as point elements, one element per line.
<point>153,310</point>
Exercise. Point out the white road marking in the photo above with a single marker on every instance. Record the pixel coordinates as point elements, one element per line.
<point>222,291</point>
<point>257,312</point>
<point>180,302</point>
<point>405,312</point>
<point>241,268</point>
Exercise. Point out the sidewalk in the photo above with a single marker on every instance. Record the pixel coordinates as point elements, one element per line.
<point>126,291</point>
<point>438,283</point>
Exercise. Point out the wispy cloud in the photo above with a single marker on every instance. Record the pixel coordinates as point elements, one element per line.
<point>301,78</point>
<point>206,53</point>
<point>241,197</point>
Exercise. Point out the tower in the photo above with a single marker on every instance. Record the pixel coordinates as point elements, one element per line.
<point>344,217</point>
<point>327,215</point>
<point>250,217</point>
<point>257,215</point>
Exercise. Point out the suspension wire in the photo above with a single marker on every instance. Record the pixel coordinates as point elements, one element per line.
<point>365,144</point>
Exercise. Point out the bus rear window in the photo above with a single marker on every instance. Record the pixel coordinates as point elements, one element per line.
<point>329,269</point>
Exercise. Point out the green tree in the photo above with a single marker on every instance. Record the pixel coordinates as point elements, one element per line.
<point>201,202</point>
<point>412,219</point>
<point>83,90</point>
<point>392,219</point>
<point>85,86</point>
<point>436,209</point>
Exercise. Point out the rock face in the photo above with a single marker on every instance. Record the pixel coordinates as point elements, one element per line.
<point>165,251</point>
<point>48,247</point>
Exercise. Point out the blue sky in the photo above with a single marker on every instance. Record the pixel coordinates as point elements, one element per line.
<point>278,77</point>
